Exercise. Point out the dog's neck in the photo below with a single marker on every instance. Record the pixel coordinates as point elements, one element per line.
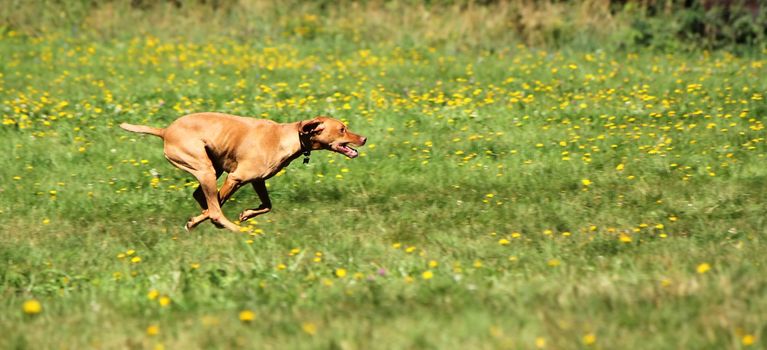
<point>306,145</point>
<point>300,144</point>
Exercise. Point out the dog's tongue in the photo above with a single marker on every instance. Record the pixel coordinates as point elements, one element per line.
<point>350,152</point>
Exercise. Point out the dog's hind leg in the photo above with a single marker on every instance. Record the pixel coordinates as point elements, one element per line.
<point>208,183</point>
<point>196,220</point>
<point>266,204</point>
<point>231,185</point>
<point>194,159</point>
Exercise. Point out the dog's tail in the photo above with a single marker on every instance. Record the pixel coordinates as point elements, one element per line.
<point>143,129</point>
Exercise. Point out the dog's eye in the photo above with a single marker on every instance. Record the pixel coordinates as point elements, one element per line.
<point>343,130</point>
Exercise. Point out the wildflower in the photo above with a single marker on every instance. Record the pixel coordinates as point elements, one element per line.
<point>427,275</point>
<point>309,328</point>
<point>247,316</point>
<point>153,294</point>
<point>152,330</point>
<point>703,268</point>
<point>586,182</point>
<point>340,272</point>
<point>748,340</point>
<point>135,259</point>
<point>32,307</point>
<point>553,262</point>
<point>589,339</point>
<point>540,342</point>
<point>164,301</point>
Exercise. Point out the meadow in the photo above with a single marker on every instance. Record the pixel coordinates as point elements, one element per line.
<point>517,197</point>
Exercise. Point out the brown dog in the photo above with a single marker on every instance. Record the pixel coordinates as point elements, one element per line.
<point>249,150</point>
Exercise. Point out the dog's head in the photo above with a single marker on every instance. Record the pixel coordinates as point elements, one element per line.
<point>330,134</point>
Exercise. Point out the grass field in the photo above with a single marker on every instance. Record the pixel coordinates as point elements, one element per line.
<point>514,198</point>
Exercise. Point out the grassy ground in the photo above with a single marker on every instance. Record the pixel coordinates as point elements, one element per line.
<point>515,198</point>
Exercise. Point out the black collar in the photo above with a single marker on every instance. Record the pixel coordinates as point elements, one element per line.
<point>306,146</point>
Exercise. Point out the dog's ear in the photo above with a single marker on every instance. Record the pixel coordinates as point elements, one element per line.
<point>311,127</point>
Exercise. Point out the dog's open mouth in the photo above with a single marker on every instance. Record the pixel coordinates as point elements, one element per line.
<point>344,149</point>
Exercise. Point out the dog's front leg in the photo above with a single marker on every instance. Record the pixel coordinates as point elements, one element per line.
<point>266,204</point>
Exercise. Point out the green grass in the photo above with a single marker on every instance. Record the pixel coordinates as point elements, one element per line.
<point>559,199</point>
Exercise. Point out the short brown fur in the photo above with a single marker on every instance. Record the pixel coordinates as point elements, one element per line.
<point>249,150</point>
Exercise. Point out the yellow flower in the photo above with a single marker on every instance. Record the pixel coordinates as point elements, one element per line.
<point>153,294</point>
<point>553,262</point>
<point>748,340</point>
<point>503,241</point>
<point>309,328</point>
<point>586,182</point>
<point>703,268</point>
<point>589,339</point>
<point>427,275</point>
<point>32,307</point>
<point>433,263</point>
<point>135,259</point>
<point>164,301</point>
<point>340,273</point>
<point>247,316</point>
<point>540,342</point>
<point>152,330</point>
